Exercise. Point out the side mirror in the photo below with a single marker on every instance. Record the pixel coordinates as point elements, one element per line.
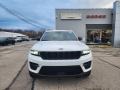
<point>80,38</point>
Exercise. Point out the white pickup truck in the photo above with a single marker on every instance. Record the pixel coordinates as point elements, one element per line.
<point>59,53</point>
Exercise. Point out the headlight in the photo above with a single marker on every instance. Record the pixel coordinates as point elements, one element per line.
<point>34,52</point>
<point>85,52</point>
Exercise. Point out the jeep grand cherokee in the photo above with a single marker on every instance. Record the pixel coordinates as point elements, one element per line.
<point>59,52</point>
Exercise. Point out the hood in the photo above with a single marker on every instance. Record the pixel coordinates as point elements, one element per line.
<point>60,46</point>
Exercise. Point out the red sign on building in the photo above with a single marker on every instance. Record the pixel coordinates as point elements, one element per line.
<point>96,16</point>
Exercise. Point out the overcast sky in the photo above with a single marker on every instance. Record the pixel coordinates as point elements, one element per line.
<point>42,12</point>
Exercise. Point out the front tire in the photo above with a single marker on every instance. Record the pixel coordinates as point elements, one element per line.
<point>33,75</point>
<point>13,43</point>
<point>86,74</point>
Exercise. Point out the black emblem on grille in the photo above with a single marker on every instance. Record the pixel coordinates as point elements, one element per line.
<point>60,49</point>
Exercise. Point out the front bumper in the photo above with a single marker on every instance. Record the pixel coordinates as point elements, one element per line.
<point>59,67</point>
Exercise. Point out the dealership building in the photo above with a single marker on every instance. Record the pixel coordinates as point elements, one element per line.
<point>95,26</point>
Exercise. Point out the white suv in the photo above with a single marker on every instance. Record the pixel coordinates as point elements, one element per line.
<point>58,53</point>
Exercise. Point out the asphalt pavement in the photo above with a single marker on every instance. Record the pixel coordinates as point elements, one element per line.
<point>14,72</point>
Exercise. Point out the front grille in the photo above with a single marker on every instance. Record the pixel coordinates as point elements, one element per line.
<point>60,55</point>
<point>60,70</point>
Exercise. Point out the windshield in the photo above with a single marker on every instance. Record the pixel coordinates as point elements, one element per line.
<point>59,36</point>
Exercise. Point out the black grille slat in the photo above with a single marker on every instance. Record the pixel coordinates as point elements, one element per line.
<point>58,70</point>
<point>60,55</point>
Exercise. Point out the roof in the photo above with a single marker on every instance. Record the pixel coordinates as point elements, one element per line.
<point>59,30</point>
<point>83,8</point>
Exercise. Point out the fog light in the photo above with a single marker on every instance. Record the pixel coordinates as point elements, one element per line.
<point>87,64</point>
<point>33,65</point>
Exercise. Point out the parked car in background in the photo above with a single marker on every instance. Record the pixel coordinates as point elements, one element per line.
<point>18,39</point>
<point>6,41</point>
<point>25,39</point>
<point>11,40</point>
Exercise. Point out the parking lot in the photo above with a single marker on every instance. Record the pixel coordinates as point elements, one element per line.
<point>14,73</point>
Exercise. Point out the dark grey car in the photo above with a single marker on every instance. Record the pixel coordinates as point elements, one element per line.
<point>6,41</point>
